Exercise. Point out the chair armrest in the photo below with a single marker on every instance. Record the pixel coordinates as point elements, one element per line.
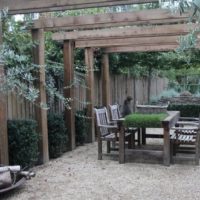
<point>108,126</point>
<point>182,128</point>
<point>113,122</point>
<point>188,119</point>
<point>187,123</point>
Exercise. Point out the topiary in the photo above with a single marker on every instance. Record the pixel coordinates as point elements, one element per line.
<point>57,135</point>
<point>23,142</point>
<point>81,126</point>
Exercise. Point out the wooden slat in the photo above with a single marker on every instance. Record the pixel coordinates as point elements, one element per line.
<point>147,31</point>
<point>68,51</point>
<point>144,17</point>
<point>27,6</point>
<point>145,41</point>
<point>41,114</point>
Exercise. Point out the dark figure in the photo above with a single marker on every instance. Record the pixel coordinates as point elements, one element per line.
<point>127,106</point>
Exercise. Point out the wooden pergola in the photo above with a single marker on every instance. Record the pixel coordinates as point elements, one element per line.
<point>112,36</point>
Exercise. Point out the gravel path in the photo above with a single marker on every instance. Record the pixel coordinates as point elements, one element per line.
<point>78,175</point>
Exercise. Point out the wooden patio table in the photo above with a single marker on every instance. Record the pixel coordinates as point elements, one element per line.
<point>167,123</point>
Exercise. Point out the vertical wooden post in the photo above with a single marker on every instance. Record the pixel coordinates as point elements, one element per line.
<point>4,158</point>
<point>41,114</point>
<point>105,80</point>
<point>89,61</point>
<point>69,90</point>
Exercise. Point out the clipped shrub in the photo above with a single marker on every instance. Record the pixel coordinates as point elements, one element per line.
<point>57,135</point>
<point>23,142</point>
<point>81,124</point>
<point>145,120</point>
<point>186,110</point>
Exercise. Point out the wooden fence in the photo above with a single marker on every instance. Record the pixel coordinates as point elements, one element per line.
<point>120,87</point>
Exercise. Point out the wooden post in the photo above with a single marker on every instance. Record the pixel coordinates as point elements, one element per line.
<point>89,61</point>
<point>69,90</point>
<point>4,158</point>
<point>41,114</point>
<point>105,80</point>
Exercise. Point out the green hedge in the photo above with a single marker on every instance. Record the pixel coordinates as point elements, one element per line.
<point>23,142</point>
<point>81,124</point>
<point>145,120</point>
<point>186,110</point>
<point>57,135</point>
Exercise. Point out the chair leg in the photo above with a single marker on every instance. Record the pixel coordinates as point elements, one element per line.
<point>108,146</point>
<point>99,149</point>
<point>133,140</point>
<point>197,153</point>
<point>139,137</point>
<point>143,136</point>
<point>130,141</point>
<point>171,152</point>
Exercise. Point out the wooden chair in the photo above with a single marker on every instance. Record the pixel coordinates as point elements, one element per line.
<point>186,133</point>
<point>115,115</point>
<point>106,130</point>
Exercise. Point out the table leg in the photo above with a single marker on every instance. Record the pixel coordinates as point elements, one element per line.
<point>166,158</point>
<point>121,146</point>
<point>143,136</point>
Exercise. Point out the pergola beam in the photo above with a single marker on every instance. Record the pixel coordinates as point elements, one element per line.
<point>27,6</point>
<point>151,48</point>
<point>144,17</point>
<point>147,31</point>
<point>142,41</point>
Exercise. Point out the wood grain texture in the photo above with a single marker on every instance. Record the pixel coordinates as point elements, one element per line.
<point>41,114</point>
<point>142,41</point>
<point>105,81</point>
<point>69,90</point>
<point>89,61</point>
<point>144,17</point>
<point>27,6</point>
<point>4,157</point>
<point>146,31</point>
<point>152,48</point>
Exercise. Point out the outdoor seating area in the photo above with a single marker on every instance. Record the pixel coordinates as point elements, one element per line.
<point>172,135</point>
<point>100,99</point>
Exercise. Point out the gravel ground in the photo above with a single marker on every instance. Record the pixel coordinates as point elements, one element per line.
<point>78,175</point>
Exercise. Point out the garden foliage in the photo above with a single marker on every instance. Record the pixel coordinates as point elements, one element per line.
<point>57,135</point>
<point>81,123</point>
<point>186,110</point>
<point>23,142</point>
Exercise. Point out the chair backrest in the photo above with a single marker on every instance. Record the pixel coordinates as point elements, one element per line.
<point>115,112</point>
<point>102,119</point>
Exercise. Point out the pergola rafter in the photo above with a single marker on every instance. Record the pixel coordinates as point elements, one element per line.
<point>144,17</point>
<point>145,31</point>
<point>140,41</point>
<point>27,6</point>
<point>147,48</point>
